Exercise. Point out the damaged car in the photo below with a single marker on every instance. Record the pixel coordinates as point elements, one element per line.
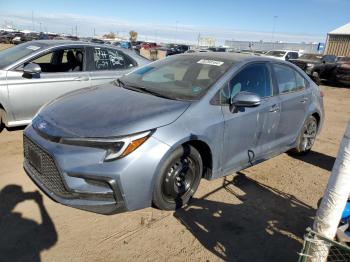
<point>315,65</point>
<point>152,135</point>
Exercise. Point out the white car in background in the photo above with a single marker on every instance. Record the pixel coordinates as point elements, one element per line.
<point>284,55</point>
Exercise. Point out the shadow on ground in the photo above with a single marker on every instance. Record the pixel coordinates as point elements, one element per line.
<point>317,159</point>
<point>23,239</point>
<point>261,228</point>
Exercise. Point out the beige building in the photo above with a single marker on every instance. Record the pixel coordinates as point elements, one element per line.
<point>338,41</point>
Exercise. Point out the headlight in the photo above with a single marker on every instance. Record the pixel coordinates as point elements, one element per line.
<point>115,147</point>
<point>310,65</point>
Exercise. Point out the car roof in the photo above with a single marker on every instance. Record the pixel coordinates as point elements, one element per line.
<point>51,43</point>
<point>234,57</point>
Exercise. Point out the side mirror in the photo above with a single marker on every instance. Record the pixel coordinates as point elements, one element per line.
<point>32,69</point>
<point>246,99</point>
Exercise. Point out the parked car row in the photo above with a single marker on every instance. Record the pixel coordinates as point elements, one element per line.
<point>325,67</point>
<point>18,37</point>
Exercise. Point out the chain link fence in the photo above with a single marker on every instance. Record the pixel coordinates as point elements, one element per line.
<point>316,247</point>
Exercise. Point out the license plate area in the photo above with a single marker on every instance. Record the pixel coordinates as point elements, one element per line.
<point>34,159</point>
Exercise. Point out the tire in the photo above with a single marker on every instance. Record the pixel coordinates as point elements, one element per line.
<point>178,178</point>
<point>307,136</point>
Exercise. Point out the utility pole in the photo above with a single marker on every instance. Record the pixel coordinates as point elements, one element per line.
<point>273,30</point>
<point>94,33</point>
<point>76,30</point>
<point>198,39</point>
<point>33,27</point>
<point>176,31</point>
<point>40,27</point>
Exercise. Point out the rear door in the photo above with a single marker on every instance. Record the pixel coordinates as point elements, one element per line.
<point>295,98</point>
<point>107,64</point>
<point>28,93</point>
<point>250,132</point>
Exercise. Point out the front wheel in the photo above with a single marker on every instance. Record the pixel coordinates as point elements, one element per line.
<point>307,136</point>
<point>178,179</point>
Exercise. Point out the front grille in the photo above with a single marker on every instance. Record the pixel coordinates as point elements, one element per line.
<point>45,171</point>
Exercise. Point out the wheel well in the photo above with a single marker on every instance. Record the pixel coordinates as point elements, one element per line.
<point>206,155</point>
<point>3,109</point>
<point>317,116</point>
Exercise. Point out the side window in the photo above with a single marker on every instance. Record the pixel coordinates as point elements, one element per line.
<point>61,60</point>
<point>45,59</point>
<point>101,59</point>
<point>255,78</point>
<point>72,60</point>
<point>329,58</point>
<point>301,81</point>
<point>111,59</point>
<point>117,61</point>
<point>288,79</point>
<point>128,61</point>
<point>293,55</point>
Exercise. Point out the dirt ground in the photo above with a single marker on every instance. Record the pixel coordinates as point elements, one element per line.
<point>5,46</point>
<point>259,214</point>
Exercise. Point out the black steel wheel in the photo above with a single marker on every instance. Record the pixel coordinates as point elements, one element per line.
<point>179,178</point>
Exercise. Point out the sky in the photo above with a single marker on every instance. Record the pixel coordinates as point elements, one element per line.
<point>181,20</point>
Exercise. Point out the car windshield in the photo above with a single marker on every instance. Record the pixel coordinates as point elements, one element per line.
<point>311,57</point>
<point>11,55</point>
<point>276,53</point>
<point>179,77</point>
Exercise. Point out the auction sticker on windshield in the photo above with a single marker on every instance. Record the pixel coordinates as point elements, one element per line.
<point>210,62</point>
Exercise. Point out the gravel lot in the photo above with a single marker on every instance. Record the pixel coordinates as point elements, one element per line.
<point>259,214</point>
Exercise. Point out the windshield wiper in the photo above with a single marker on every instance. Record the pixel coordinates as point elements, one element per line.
<point>151,92</point>
<point>141,89</point>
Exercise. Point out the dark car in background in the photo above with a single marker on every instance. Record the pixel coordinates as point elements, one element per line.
<point>315,65</point>
<point>175,49</point>
<point>341,71</point>
<point>217,49</point>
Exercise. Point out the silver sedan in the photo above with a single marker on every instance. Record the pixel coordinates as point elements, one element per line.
<point>36,72</point>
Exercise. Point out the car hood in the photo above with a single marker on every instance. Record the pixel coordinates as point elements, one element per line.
<point>106,111</point>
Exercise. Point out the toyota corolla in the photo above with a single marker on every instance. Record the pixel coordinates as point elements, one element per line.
<point>149,138</point>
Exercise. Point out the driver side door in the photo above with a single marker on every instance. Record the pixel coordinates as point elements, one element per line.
<point>250,131</point>
<point>27,93</point>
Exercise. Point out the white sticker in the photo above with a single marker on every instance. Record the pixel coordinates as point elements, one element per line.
<point>210,62</point>
<point>33,47</point>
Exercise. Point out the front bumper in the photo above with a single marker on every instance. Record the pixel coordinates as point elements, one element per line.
<point>78,177</point>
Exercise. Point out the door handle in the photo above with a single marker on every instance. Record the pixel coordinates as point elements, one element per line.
<point>304,100</point>
<point>81,78</point>
<point>274,109</point>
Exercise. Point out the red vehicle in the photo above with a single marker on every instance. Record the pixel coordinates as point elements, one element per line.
<point>148,45</point>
